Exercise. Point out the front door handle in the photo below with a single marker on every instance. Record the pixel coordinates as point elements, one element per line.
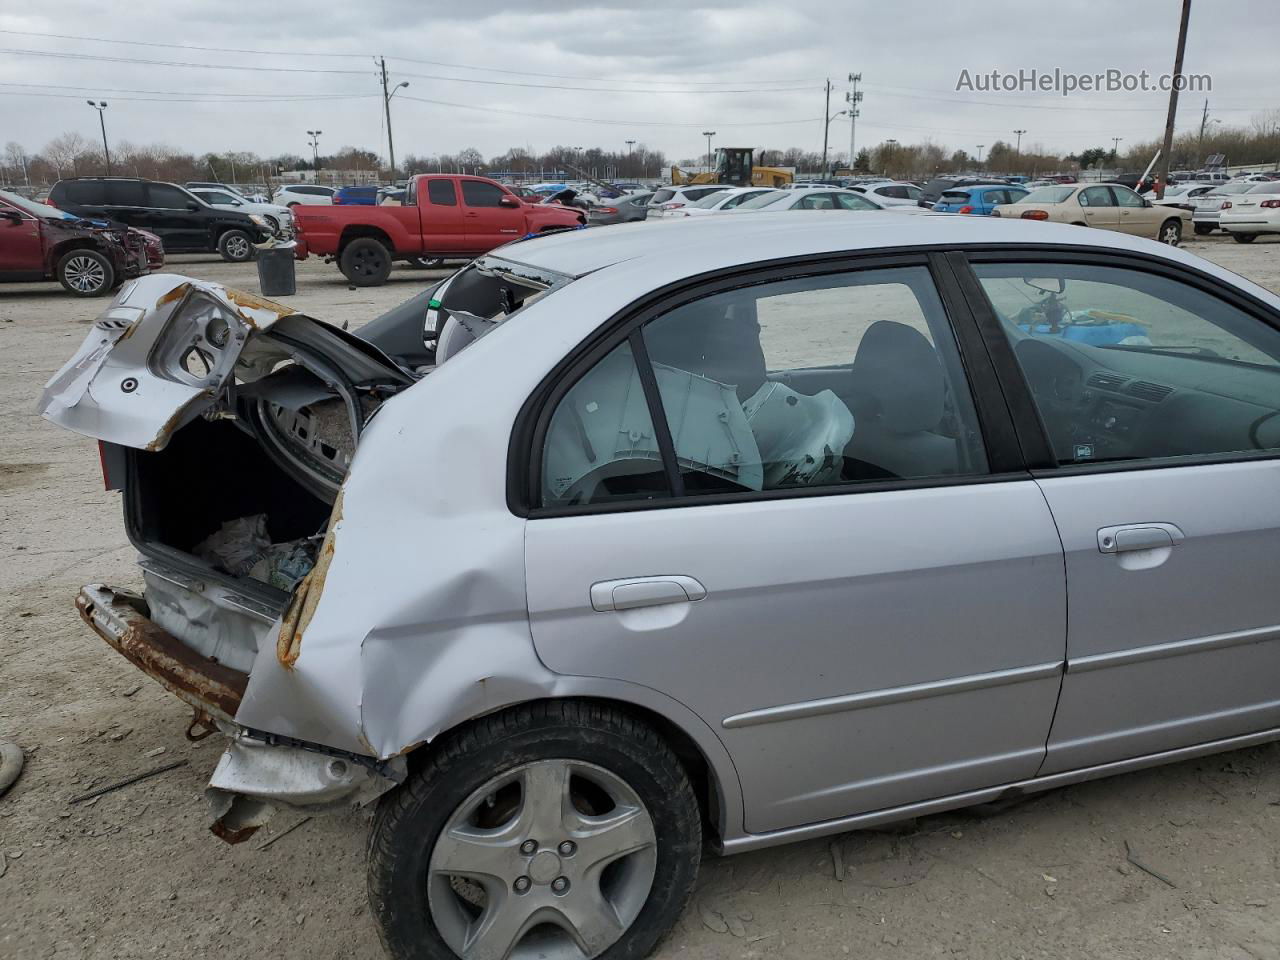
<point>633,592</point>
<point>1139,536</point>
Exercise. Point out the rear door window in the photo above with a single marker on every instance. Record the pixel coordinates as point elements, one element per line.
<point>442,193</point>
<point>126,193</point>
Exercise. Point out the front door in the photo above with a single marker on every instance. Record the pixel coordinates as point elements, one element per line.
<point>775,504</point>
<point>1135,216</point>
<point>21,252</point>
<point>488,222</point>
<point>168,214</point>
<point>1167,435</point>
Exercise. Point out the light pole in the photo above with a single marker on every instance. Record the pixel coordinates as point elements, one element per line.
<point>101,107</point>
<point>1017,150</point>
<point>386,104</point>
<point>1115,147</point>
<point>890,143</point>
<point>838,113</point>
<point>708,134</point>
<point>630,167</point>
<point>315,153</point>
<point>980,146</point>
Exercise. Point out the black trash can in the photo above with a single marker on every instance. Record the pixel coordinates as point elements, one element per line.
<point>277,276</point>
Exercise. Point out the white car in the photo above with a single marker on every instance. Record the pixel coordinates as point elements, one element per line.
<point>1180,195</point>
<point>673,198</point>
<point>891,194</point>
<point>1252,213</point>
<point>279,218</point>
<point>721,201</point>
<point>292,194</point>
<point>1204,215</point>
<point>832,198</point>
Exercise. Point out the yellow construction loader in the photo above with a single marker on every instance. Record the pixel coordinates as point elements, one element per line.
<point>734,165</point>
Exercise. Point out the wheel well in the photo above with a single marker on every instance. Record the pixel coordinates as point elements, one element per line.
<point>696,767</point>
<point>79,243</point>
<point>1079,223</point>
<point>362,232</point>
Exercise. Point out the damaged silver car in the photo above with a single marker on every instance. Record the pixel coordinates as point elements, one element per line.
<point>621,546</point>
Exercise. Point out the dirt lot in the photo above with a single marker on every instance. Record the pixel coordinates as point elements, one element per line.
<point>136,873</point>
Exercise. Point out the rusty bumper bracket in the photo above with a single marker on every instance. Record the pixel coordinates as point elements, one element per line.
<point>120,618</point>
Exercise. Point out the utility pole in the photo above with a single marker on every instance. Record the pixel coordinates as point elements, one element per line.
<point>1163,175</point>
<point>853,98</point>
<point>1017,150</point>
<point>826,126</point>
<point>889,144</point>
<point>386,105</point>
<point>630,167</point>
<point>101,107</point>
<point>1115,147</point>
<point>708,134</point>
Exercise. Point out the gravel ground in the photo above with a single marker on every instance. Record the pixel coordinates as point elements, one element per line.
<point>137,874</point>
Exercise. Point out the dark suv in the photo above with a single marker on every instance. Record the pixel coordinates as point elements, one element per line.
<point>183,222</point>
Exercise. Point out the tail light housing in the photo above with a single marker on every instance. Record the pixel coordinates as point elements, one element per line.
<point>337,200</point>
<point>1035,215</point>
<point>675,205</point>
<point>606,210</point>
<point>965,209</point>
<point>1226,205</point>
<point>1270,204</point>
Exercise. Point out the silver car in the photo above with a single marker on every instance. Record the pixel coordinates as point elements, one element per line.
<point>763,529</point>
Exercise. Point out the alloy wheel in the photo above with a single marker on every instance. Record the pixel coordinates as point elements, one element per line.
<point>554,858</point>
<point>85,274</point>
<point>238,248</point>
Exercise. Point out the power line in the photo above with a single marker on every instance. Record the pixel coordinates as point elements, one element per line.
<point>230,97</point>
<point>262,99</point>
<point>619,123</point>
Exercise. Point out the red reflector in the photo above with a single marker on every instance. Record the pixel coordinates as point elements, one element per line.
<point>606,209</point>
<point>1035,215</point>
<point>965,209</point>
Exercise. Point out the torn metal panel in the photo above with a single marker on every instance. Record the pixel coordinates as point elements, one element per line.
<point>120,619</point>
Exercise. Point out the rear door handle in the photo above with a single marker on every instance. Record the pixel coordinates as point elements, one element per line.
<point>1139,536</point>
<point>633,592</point>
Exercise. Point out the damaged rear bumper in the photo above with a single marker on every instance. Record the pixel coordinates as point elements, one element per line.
<point>258,772</point>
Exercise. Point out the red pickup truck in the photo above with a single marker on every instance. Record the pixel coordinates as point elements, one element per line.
<point>442,216</point>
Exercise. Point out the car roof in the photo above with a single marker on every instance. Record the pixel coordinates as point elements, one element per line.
<point>672,250</point>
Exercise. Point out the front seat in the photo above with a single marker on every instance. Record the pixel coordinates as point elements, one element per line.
<point>902,397</point>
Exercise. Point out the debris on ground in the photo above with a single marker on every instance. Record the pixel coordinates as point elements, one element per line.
<point>1133,858</point>
<point>283,833</point>
<point>713,921</point>
<point>837,860</point>
<point>11,761</point>
<point>128,781</point>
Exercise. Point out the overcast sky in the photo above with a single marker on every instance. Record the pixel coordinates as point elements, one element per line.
<point>655,71</point>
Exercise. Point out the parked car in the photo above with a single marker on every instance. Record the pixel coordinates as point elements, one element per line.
<point>978,201</point>
<point>1248,215</point>
<point>544,710</point>
<point>722,201</point>
<point>254,197</point>
<point>279,218</point>
<point>932,190</point>
<point>1212,176</point>
<point>185,223</point>
<point>673,198</point>
<point>1180,195</point>
<point>442,216</point>
<point>631,208</point>
<point>1102,205</point>
<point>40,242</point>
<point>1204,215</point>
<point>831,198</point>
<point>361,196</point>
<point>890,193</point>
<point>308,194</point>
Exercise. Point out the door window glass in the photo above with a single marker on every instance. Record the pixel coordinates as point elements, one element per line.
<point>1129,365</point>
<point>849,201</point>
<point>476,193</point>
<point>1095,197</point>
<point>1126,197</point>
<point>88,192</point>
<point>441,192</point>
<point>165,196</point>
<point>126,193</point>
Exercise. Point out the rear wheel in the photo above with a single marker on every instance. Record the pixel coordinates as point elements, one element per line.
<point>1170,232</point>
<point>1203,229</point>
<point>1244,237</point>
<point>559,830</point>
<point>235,246</point>
<point>365,262</point>
<point>86,273</point>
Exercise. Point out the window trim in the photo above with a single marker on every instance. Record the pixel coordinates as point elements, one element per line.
<point>528,437</point>
<point>1032,433</point>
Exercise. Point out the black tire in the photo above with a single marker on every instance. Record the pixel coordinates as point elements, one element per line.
<point>1170,232</point>
<point>425,263</point>
<point>409,820</point>
<point>1203,229</point>
<point>272,223</point>
<point>365,262</point>
<point>1244,237</point>
<point>235,246</point>
<point>86,273</point>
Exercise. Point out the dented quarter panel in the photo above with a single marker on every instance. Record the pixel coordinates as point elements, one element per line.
<point>419,621</point>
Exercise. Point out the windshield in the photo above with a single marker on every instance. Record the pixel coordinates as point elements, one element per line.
<point>755,203</point>
<point>1048,195</point>
<point>1234,188</point>
<point>711,199</point>
<point>41,210</point>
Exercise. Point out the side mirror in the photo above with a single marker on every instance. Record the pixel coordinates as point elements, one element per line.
<point>1147,203</point>
<point>193,206</point>
<point>507,200</point>
<point>13,216</point>
<point>237,203</point>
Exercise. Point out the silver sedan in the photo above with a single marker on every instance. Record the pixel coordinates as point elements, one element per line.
<point>704,538</point>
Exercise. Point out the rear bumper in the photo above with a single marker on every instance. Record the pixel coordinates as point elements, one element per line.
<point>121,618</point>
<point>300,249</point>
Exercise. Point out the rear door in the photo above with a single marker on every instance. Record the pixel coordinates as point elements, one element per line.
<point>443,221</point>
<point>1166,445</point>
<point>1097,208</point>
<point>486,221</point>
<point>765,502</point>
